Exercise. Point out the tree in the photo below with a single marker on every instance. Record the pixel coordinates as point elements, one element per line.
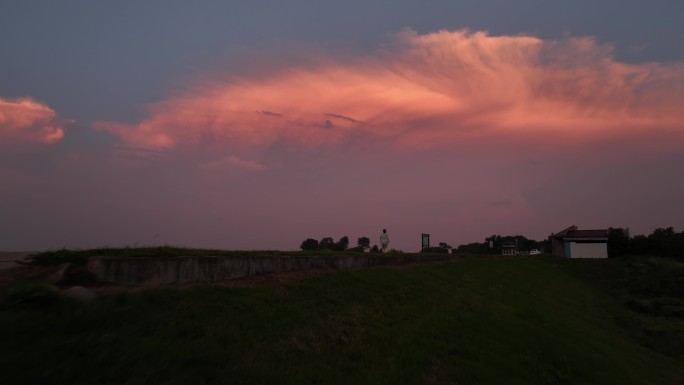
<point>326,243</point>
<point>343,243</point>
<point>309,244</point>
<point>618,242</point>
<point>665,242</point>
<point>363,242</point>
<point>473,248</point>
<point>640,245</point>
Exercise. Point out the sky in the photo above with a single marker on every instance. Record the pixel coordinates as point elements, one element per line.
<point>258,124</point>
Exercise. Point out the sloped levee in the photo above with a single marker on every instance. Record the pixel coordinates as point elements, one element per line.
<point>132,271</point>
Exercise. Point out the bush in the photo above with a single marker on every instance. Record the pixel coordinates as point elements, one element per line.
<point>60,257</point>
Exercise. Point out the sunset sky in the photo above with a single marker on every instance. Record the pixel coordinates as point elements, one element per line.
<point>258,124</point>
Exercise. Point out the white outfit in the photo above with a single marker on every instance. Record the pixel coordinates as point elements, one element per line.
<point>384,240</point>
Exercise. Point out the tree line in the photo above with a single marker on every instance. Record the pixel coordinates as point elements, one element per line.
<point>328,243</point>
<point>663,242</point>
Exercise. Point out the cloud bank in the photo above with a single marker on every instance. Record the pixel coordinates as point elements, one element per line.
<point>27,120</point>
<point>423,91</point>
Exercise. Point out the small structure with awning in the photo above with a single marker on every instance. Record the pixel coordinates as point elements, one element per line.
<point>509,248</point>
<point>575,243</point>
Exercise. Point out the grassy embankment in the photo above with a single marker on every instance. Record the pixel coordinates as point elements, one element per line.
<point>484,321</point>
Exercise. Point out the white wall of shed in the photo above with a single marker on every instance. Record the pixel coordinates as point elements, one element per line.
<point>588,250</point>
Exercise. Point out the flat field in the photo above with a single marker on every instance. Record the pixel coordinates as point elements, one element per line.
<point>472,321</point>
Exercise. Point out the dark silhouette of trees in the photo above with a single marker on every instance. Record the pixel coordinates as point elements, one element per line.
<point>667,243</point>
<point>618,242</point>
<point>309,244</point>
<point>363,242</point>
<point>664,242</point>
<point>343,244</point>
<point>326,243</point>
<point>442,248</point>
<point>474,248</point>
<point>638,245</point>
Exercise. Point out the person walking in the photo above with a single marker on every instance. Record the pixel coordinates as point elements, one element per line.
<point>384,240</point>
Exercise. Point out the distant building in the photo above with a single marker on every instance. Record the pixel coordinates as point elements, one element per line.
<point>509,248</point>
<point>574,243</point>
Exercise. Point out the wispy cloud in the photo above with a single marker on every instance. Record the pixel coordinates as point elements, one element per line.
<point>233,163</point>
<point>271,113</point>
<point>27,120</point>
<point>338,116</point>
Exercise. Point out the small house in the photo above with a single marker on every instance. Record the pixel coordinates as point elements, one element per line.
<point>575,243</point>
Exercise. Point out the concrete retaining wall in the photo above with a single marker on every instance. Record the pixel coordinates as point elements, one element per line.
<point>132,271</point>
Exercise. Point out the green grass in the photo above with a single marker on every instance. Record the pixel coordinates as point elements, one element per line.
<point>651,289</point>
<point>474,321</point>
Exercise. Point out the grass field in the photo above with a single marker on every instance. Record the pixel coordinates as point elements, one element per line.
<point>477,321</point>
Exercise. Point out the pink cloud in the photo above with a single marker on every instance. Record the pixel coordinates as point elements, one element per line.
<point>28,120</point>
<point>426,90</point>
